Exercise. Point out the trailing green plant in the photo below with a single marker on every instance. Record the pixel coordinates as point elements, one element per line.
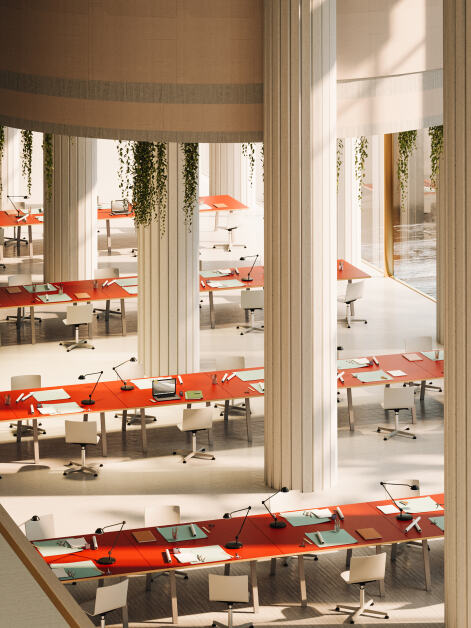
<point>161,179</point>
<point>125,171</point>
<point>340,147</point>
<point>27,156</point>
<point>248,150</point>
<point>144,184</point>
<point>2,147</point>
<point>190,177</point>
<point>407,141</point>
<point>361,155</point>
<point>48,160</point>
<point>436,149</point>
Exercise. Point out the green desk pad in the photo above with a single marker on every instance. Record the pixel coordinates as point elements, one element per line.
<point>228,283</point>
<point>331,538</point>
<point>302,519</point>
<point>183,533</point>
<point>349,364</point>
<point>126,281</point>
<point>374,376</point>
<point>259,387</point>
<point>439,522</point>
<point>130,289</point>
<point>54,548</point>
<point>431,355</point>
<point>54,298</point>
<point>36,210</point>
<point>40,287</point>
<point>193,395</point>
<point>81,569</point>
<point>214,273</point>
<point>250,376</point>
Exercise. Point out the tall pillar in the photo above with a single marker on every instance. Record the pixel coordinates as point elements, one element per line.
<point>440,261</point>
<point>229,172</point>
<point>456,194</point>
<point>70,215</point>
<point>300,244</point>
<point>348,207</point>
<point>168,306</point>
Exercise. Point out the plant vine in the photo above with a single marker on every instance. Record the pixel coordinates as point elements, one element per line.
<point>340,147</point>
<point>248,150</point>
<point>2,147</point>
<point>48,155</point>
<point>407,141</point>
<point>161,178</point>
<point>125,171</point>
<point>27,156</point>
<point>361,154</point>
<point>436,148</point>
<point>144,188</point>
<point>190,177</point>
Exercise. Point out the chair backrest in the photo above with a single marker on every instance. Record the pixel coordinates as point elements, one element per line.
<point>81,432</point>
<point>197,419</point>
<point>354,291</point>
<point>19,382</point>
<point>105,273</point>
<point>19,280</point>
<point>400,492</point>
<point>230,362</point>
<point>43,528</point>
<point>111,597</point>
<point>119,204</point>
<point>398,398</point>
<point>367,568</point>
<point>252,299</point>
<point>419,343</point>
<point>79,314</point>
<point>228,588</point>
<point>161,515</point>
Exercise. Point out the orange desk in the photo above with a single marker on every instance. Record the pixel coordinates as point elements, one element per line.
<point>260,542</point>
<point>231,204</point>
<point>9,218</point>
<point>414,372</point>
<point>105,213</point>
<point>349,272</point>
<point>110,398</point>
<point>23,298</point>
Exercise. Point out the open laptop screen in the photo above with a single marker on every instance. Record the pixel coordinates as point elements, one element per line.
<point>161,387</point>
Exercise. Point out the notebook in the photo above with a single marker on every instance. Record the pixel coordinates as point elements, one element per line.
<point>369,533</point>
<point>144,536</point>
<point>193,395</point>
<point>412,357</point>
<point>13,290</point>
<point>82,295</point>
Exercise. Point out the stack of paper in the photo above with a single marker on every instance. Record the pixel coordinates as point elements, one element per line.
<point>144,383</point>
<point>206,554</point>
<point>205,206</point>
<point>419,504</point>
<point>54,548</point>
<point>388,509</point>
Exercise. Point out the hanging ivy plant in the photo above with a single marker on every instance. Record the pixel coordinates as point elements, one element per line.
<point>144,183</point>
<point>161,178</point>
<point>190,177</point>
<point>48,155</point>
<point>248,150</point>
<point>2,147</point>
<point>407,143</point>
<point>27,156</point>
<point>436,148</point>
<point>125,171</point>
<point>361,154</point>
<point>340,146</point>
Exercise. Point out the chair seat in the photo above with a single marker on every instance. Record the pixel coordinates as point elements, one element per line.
<point>341,299</point>
<point>346,576</point>
<point>403,408</point>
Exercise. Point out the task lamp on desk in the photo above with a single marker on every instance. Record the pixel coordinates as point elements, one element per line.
<point>90,401</point>
<point>402,516</point>
<point>109,560</point>
<point>125,386</point>
<point>9,197</point>
<point>276,523</point>
<point>249,278</point>
<point>227,515</point>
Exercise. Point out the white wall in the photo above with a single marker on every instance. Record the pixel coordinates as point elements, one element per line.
<point>107,170</point>
<point>13,181</point>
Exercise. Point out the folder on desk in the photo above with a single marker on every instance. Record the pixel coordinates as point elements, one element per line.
<point>412,357</point>
<point>304,518</point>
<point>431,355</point>
<point>350,364</point>
<point>220,205</point>
<point>56,394</point>
<point>231,283</point>
<point>193,395</point>
<point>259,387</point>
<point>130,289</point>
<point>144,536</point>
<point>54,298</point>
<point>182,532</point>
<point>40,287</point>
<point>13,290</point>
<point>126,281</point>
<point>368,534</point>
<point>373,376</point>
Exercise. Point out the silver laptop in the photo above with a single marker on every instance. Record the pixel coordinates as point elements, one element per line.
<point>164,389</point>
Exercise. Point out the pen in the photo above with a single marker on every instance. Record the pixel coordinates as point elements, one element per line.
<point>180,381</point>
<point>230,377</point>
<point>307,540</point>
<point>20,396</point>
<point>105,283</point>
<point>375,361</point>
<point>236,271</point>
<point>203,285</point>
<point>224,377</point>
<point>205,529</point>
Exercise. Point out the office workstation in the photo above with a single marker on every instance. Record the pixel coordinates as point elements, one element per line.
<point>227,295</point>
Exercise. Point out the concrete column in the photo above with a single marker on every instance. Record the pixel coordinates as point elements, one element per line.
<point>455,199</point>
<point>229,172</point>
<point>168,306</point>
<point>348,207</point>
<point>300,237</point>
<point>70,216</point>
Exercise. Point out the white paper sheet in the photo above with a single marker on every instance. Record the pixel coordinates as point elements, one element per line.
<point>56,394</point>
<point>389,509</point>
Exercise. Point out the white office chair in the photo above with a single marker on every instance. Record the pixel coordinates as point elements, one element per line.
<point>132,370</point>
<point>230,226</point>
<point>21,280</point>
<point>229,589</point>
<point>162,516</point>
<point>106,273</point>
<point>38,528</point>
<point>251,300</point>
<point>195,420</point>
<point>353,293</point>
<point>398,399</point>
<point>418,344</point>
<point>82,433</point>
<point>363,570</point>
<point>107,599</point>
<point>77,315</point>
<point>22,382</point>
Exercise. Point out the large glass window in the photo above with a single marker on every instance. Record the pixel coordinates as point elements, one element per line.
<point>372,213</point>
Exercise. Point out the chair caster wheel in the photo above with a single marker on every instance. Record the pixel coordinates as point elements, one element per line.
<point>415,438</point>
<point>174,452</point>
<point>184,462</point>
<point>337,608</point>
<point>203,449</point>
<point>407,428</point>
<point>385,438</point>
<point>64,473</point>
<point>155,420</point>
<point>387,617</point>
<point>316,557</point>
<point>372,604</point>
<point>185,578</point>
<point>44,432</point>
<point>378,430</point>
<point>352,621</point>
<point>93,347</point>
<point>101,465</point>
<point>213,458</point>
<point>366,322</point>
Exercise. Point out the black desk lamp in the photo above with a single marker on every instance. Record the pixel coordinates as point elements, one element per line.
<point>125,386</point>
<point>276,523</point>
<point>109,560</point>
<point>9,197</point>
<point>90,401</point>
<point>227,515</point>
<point>402,516</point>
<point>249,278</point>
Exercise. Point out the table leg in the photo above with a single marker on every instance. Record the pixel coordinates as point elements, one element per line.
<point>148,582</point>
<point>143,430</point>
<point>123,318</point>
<point>173,595</point>
<point>35,441</point>
<point>227,569</point>
<point>248,419</point>
<point>352,305</point>
<point>124,616</point>
<point>123,420</point>
<point>108,236</point>
<point>379,549</point>
<point>30,240</point>
<point>85,417</point>
<point>351,415</point>
<point>414,415</point>
<point>254,585</point>
<point>422,390</point>
<point>272,566</point>
<point>348,558</point>
<point>18,240</point>
<point>18,431</point>
<point>33,328</point>
<point>302,580</point>
<point>104,440</point>
<point>212,317</point>
<point>426,555</point>
<point>226,410</point>
<point>216,221</point>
